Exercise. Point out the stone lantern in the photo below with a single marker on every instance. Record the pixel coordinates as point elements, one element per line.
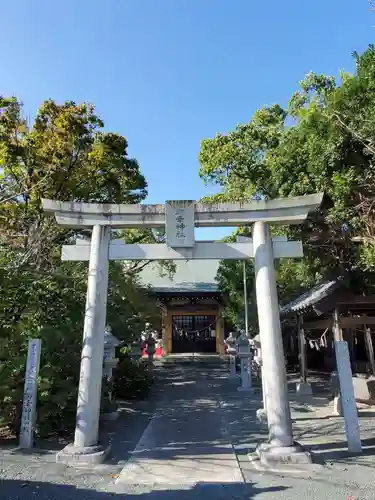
<point>230,341</point>
<point>109,408</point>
<point>109,361</point>
<point>245,355</point>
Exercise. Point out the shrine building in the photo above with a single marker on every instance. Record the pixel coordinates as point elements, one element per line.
<point>190,304</point>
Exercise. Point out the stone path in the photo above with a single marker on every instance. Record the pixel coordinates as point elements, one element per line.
<point>191,442</point>
<point>186,440</point>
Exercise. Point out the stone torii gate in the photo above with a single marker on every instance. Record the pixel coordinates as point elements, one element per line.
<point>179,218</point>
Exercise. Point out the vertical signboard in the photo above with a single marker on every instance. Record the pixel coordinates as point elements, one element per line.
<point>348,402</point>
<point>30,394</point>
<point>180,223</point>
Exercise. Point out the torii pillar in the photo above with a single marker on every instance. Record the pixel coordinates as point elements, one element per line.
<point>281,447</point>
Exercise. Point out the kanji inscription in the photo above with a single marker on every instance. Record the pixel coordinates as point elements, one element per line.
<point>180,223</point>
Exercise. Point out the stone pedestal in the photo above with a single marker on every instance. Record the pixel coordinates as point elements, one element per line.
<point>109,365</point>
<point>246,385</point>
<point>82,455</point>
<point>274,456</point>
<point>244,354</point>
<point>304,389</point>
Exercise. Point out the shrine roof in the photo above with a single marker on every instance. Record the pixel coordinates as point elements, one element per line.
<point>188,287</point>
<point>190,276</point>
<point>311,298</point>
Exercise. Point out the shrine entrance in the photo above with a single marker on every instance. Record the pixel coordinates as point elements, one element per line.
<point>179,219</point>
<point>193,333</point>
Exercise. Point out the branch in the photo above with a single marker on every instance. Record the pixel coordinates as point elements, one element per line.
<point>72,164</point>
<point>355,134</point>
<point>137,267</point>
<point>139,239</point>
<point>28,190</point>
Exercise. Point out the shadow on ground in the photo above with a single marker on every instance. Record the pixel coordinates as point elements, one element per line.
<point>337,452</point>
<point>189,410</point>
<point>20,490</point>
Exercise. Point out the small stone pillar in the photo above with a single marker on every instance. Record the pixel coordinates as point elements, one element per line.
<point>244,353</point>
<point>261,412</point>
<point>148,335</point>
<point>230,341</point>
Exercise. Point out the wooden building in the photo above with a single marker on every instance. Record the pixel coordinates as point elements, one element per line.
<point>190,305</point>
<point>326,312</point>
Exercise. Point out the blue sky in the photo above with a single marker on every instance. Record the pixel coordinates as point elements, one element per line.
<point>169,73</point>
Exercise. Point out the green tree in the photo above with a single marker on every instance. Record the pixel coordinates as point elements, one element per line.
<point>64,154</point>
<point>324,141</point>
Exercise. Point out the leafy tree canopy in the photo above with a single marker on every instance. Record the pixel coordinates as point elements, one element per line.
<point>323,141</point>
<point>64,154</point>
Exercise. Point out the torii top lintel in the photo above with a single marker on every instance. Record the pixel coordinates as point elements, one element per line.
<point>277,211</point>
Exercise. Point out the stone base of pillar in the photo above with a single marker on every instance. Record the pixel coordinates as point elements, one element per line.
<point>88,455</point>
<point>245,389</point>
<point>304,389</point>
<point>275,456</point>
<point>261,415</point>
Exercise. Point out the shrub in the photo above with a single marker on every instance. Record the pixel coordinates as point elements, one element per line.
<point>131,379</point>
<point>51,307</point>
